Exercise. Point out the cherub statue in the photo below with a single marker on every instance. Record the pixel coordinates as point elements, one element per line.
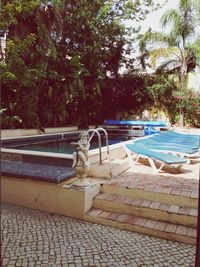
<point>80,156</point>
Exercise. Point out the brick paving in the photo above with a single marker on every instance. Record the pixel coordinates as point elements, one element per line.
<point>158,183</point>
<point>147,204</point>
<point>35,238</point>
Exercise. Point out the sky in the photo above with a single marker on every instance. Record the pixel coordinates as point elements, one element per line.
<point>153,19</point>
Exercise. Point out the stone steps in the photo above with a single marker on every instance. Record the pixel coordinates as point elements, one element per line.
<point>156,228</point>
<point>147,209</point>
<point>160,206</point>
<point>164,190</point>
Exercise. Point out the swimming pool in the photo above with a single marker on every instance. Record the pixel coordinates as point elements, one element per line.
<point>32,156</point>
<point>60,143</point>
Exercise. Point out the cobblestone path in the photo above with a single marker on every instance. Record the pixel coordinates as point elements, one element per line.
<point>34,238</point>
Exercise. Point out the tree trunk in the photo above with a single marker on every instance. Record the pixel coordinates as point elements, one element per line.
<point>181,119</point>
<point>183,85</point>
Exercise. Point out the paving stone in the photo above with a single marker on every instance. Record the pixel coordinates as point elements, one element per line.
<point>136,202</point>
<point>128,200</point>
<point>154,205</point>
<point>195,194</point>
<point>120,199</point>
<point>150,224</point>
<point>34,238</point>
<point>192,232</point>
<point>130,219</point>
<point>140,221</point>
<point>145,203</point>
<point>175,192</point>
<point>164,207</point>
<point>122,218</point>
<point>173,208</point>
<point>171,228</point>
<point>111,197</point>
<point>95,212</point>
<point>113,216</point>
<point>193,212</point>
<point>181,230</point>
<point>102,196</point>
<point>184,210</point>
<point>186,193</point>
<point>160,226</point>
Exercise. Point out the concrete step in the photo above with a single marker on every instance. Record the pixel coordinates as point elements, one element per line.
<point>173,191</point>
<point>175,232</point>
<point>183,215</point>
<point>117,151</point>
<point>109,169</point>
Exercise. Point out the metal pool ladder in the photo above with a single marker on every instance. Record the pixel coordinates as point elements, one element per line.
<point>93,131</point>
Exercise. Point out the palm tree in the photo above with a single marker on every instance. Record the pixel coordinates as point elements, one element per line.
<point>176,51</point>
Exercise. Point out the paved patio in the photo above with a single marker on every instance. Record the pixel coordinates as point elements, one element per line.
<point>34,238</point>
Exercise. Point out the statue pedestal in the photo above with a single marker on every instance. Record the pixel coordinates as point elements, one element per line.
<point>81,174</point>
<point>81,182</point>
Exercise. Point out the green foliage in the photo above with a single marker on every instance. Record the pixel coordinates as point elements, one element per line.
<point>58,57</point>
<point>190,104</point>
<point>161,89</point>
<point>192,112</point>
<point>125,97</point>
<point>196,48</point>
<point>166,96</point>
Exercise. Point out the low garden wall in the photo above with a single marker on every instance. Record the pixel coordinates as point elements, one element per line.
<point>10,133</point>
<point>46,196</point>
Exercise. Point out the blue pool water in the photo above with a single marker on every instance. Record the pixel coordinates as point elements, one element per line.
<point>62,146</point>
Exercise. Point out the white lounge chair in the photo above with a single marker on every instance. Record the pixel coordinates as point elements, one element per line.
<point>142,152</point>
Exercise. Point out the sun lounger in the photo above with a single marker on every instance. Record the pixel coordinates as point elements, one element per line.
<point>164,139</point>
<point>181,135</point>
<point>152,156</point>
<point>179,151</point>
<point>168,148</point>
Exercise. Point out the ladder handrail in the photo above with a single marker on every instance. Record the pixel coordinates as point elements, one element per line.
<point>99,139</point>
<point>106,134</point>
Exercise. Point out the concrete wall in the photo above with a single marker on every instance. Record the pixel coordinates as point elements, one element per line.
<point>11,133</point>
<point>46,196</point>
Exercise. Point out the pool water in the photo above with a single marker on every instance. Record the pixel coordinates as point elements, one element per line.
<point>63,146</point>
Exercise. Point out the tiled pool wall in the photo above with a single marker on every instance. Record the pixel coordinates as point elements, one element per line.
<point>36,165</point>
<point>36,159</point>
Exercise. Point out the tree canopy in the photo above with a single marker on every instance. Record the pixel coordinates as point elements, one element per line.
<point>58,56</point>
<point>63,58</point>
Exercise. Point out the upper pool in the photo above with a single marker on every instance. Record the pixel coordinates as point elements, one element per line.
<point>60,143</point>
<point>32,156</point>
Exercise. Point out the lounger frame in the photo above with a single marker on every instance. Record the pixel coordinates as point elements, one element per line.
<point>151,160</point>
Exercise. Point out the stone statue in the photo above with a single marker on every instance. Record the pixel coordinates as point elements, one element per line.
<point>80,156</point>
<point>80,159</point>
